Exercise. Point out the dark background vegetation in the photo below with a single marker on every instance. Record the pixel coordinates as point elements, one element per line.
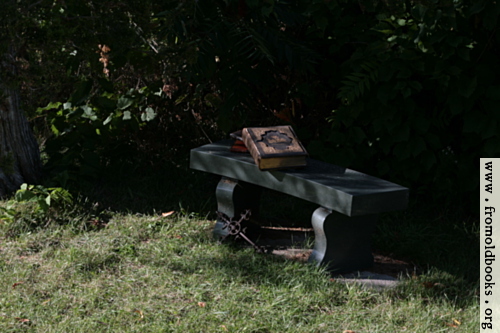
<point>404,90</point>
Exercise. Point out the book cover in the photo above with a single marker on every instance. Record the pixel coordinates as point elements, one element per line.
<point>238,147</point>
<point>274,147</point>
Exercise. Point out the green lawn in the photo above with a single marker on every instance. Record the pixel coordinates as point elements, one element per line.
<point>149,273</point>
<point>112,263</point>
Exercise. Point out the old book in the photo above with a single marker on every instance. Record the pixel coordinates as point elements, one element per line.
<point>274,147</point>
<point>238,147</point>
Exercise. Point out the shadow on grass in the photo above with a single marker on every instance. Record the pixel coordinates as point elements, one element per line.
<point>441,243</point>
<point>445,240</point>
<point>244,265</point>
<point>178,188</point>
<point>171,187</point>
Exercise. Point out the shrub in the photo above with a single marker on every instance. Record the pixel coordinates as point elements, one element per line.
<point>402,89</point>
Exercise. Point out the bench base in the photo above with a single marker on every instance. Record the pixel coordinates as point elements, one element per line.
<point>233,198</point>
<point>342,243</point>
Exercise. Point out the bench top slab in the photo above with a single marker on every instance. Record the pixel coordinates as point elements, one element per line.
<point>333,187</point>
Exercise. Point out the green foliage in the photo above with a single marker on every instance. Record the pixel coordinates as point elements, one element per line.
<point>91,133</point>
<point>34,206</point>
<point>416,93</point>
<point>408,88</point>
<point>7,214</point>
<point>248,55</point>
<point>356,83</point>
<point>44,197</point>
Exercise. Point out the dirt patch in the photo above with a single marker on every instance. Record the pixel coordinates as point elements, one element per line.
<point>296,243</point>
<point>392,267</point>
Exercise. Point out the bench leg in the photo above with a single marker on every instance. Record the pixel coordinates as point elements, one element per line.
<point>342,243</point>
<point>233,198</point>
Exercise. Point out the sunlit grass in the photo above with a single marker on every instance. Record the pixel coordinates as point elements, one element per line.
<point>151,273</point>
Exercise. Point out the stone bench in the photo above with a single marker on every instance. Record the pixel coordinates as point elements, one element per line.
<point>349,201</point>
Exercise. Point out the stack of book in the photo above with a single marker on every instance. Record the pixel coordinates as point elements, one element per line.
<point>271,147</point>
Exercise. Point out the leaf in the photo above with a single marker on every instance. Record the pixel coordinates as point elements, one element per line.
<point>321,22</point>
<point>50,106</point>
<point>54,130</point>
<point>455,104</point>
<point>417,145</point>
<point>355,86</point>
<point>467,86</point>
<point>477,7</point>
<point>124,102</point>
<point>108,120</point>
<point>357,134</point>
<point>82,92</point>
<point>253,44</point>
<point>24,195</point>
<point>22,320</point>
<point>140,313</point>
<point>415,85</point>
<point>419,11</point>
<point>473,123</point>
<point>428,159</point>
<point>106,103</point>
<point>181,99</point>
<point>16,284</point>
<point>401,133</point>
<point>148,115</point>
<point>212,100</point>
<point>42,203</point>
<point>401,151</point>
<point>127,115</point>
<point>267,10</point>
<point>252,3</point>
<point>168,213</point>
<point>88,112</point>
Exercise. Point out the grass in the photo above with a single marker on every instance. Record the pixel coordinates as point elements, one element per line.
<point>139,271</point>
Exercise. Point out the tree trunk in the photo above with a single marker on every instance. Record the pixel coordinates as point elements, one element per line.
<point>19,153</point>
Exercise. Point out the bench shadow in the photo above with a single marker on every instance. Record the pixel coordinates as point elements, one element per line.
<point>434,282</point>
<point>176,188</point>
